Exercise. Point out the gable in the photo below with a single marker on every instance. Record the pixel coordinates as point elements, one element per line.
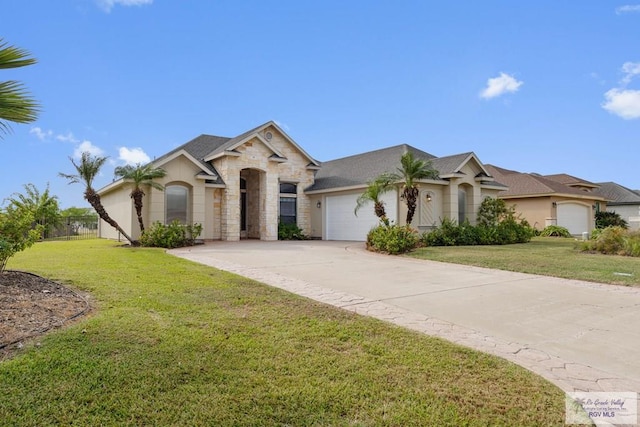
<point>271,136</point>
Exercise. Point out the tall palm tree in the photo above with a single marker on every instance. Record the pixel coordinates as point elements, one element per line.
<point>15,103</point>
<point>411,170</point>
<point>375,189</point>
<point>140,176</point>
<point>88,169</point>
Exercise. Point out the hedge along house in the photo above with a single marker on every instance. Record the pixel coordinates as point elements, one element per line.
<point>242,187</point>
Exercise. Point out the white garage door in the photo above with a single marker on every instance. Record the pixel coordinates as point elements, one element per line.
<point>343,224</point>
<point>574,217</point>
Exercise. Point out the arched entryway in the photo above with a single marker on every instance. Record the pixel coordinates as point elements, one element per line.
<point>251,203</point>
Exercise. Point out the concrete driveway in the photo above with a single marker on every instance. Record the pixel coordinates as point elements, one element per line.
<point>581,336</point>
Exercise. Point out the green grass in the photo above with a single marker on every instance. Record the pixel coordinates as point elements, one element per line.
<point>176,343</point>
<point>549,256</point>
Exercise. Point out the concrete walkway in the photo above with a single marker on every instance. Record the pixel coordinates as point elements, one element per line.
<point>581,336</point>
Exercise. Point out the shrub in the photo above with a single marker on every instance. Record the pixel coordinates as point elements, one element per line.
<point>451,234</point>
<point>614,241</point>
<point>392,239</point>
<point>507,231</point>
<point>290,232</point>
<point>606,219</point>
<point>555,231</point>
<point>174,235</point>
<point>632,244</point>
<point>493,211</point>
<point>511,231</point>
<point>18,231</point>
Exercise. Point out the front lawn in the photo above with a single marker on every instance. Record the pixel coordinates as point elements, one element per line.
<point>176,343</point>
<point>549,256</point>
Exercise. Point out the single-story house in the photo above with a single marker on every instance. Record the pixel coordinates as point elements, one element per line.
<point>623,201</point>
<point>242,187</point>
<point>545,200</point>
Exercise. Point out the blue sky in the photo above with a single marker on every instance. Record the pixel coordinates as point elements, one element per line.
<point>534,86</point>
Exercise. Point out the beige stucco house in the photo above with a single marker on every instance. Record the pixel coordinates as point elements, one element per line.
<point>242,187</point>
<point>558,199</point>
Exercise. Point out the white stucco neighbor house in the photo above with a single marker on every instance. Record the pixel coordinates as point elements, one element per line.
<point>242,187</point>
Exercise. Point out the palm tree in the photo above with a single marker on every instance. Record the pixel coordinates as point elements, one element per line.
<point>375,189</point>
<point>140,175</point>
<point>411,170</point>
<point>88,169</point>
<point>15,103</point>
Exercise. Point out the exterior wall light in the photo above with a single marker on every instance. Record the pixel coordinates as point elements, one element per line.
<point>554,204</point>
<point>319,204</point>
<point>428,197</point>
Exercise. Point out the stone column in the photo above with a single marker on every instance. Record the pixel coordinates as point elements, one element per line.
<point>231,208</point>
<point>450,201</point>
<point>270,201</point>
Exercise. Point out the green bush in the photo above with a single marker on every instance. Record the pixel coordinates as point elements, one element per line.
<point>614,240</point>
<point>174,235</point>
<point>507,231</point>
<point>392,239</point>
<point>290,232</point>
<point>18,231</point>
<point>606,219</point>
<point>555,231</point>
<point>493,211</point>
<point>632,244</point>
<point>595,233</point>
<point>511,231</point>
<point>451,234</point>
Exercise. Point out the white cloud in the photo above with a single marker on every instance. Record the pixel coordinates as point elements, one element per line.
<point>623,102</point>
<point>87,146</point>
<point>631,70</point>
<point>67,138</point>
<point>107,5</point>
<point>42,135</point>
<point>133,156</point>
<point>628,8</point>
<point>498,86</point>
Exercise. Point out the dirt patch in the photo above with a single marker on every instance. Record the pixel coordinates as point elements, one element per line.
<point>31,305</point>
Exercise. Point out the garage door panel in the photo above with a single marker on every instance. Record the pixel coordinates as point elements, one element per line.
<point>574,217</point>
<point>343,224</point>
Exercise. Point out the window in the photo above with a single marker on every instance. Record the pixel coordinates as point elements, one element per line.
<point>462,205</point>
<point>288,205</point>
<point>177,198</point>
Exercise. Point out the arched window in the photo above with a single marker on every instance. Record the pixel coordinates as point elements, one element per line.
<point>288,208</point>
<point>176,203</point>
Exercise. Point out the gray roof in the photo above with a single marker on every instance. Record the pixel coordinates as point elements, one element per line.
<point>618,194</point>
<point>530,184</point>
<point>362,168</point>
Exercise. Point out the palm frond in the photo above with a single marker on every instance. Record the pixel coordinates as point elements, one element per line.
<point>13,57</point>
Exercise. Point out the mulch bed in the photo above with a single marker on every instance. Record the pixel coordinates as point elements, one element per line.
<point>31,305</point>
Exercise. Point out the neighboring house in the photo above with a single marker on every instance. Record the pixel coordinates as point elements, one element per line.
<point>242,187</point>
<point>623,201</point>
<point>559,199</point>
<point>462,185</point>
